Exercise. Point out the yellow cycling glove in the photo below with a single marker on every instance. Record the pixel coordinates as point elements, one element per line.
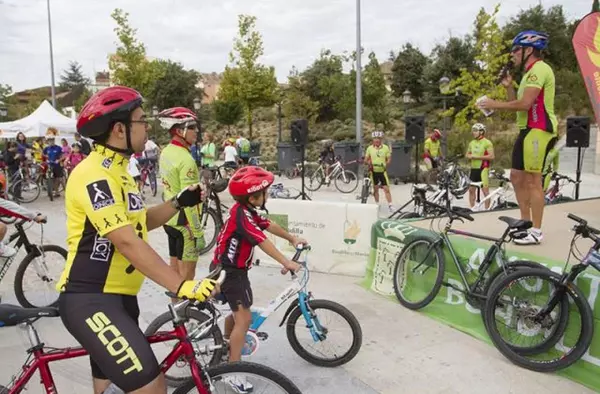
<point>196,289</point>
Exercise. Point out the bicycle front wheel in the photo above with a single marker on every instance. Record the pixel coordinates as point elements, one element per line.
<point>313,180</point>
<point>153,185</point>
<point>226,377</point>
<point>514,304</point>
<point>180,372</point>
<point>346,181</point>
<point>211,224</point>
<point>25,191</point>
<point>46,269</point>
<point>316,349</point>
<point>418,273</point>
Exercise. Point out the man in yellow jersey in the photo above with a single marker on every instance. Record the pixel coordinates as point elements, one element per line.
<point>480,152</point>
<point>378,157</point>
<point>108,252</point>
<point>431,150</point>
<point>534,104</point>
<point>178,170</point>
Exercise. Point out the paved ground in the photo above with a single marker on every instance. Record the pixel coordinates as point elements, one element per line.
<point>402,351</point>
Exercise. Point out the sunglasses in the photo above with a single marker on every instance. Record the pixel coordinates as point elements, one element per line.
<point>515,49</point>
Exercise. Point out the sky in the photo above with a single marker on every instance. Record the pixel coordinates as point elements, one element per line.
<point>200,34</point>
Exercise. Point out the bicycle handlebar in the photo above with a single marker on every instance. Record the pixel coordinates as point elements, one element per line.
<point>451,211</point>
<point>584,229</point>
<point>558,177</point>
<point>219,273</point>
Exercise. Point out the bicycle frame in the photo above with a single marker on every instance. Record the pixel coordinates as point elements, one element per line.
<point>21,240</point>
<point>494,197</point>
<point>41,359</point>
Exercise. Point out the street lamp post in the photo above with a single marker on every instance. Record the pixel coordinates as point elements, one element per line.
<point>444,84</point>
<point>197,106</point>
<point>406,97</point>
<point>279,120</point>
<point>358,77</point>
<point>155,118</point>
<point>53,89</point>
<point>406,100</point>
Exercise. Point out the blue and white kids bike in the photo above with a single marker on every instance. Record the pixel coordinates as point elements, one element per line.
<point>313,327</point>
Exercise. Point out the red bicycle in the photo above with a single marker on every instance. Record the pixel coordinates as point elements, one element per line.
<point>204,380</point>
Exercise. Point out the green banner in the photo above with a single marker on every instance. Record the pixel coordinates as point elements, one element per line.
<point>388,237</point>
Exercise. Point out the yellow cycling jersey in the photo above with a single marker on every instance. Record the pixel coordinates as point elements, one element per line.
<point>101,197</point>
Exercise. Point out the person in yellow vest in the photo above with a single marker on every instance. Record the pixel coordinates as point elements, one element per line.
<point>432,152</point>
<point>378,157</point>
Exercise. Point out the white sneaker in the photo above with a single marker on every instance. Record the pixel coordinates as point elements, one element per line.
<point>7,251</point>
<point>239,384</point>
<point>534,237</point>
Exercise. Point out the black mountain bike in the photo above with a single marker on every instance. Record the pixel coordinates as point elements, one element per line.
<point>419,270</point>
<point>37,258</point>
<point>551,322</point>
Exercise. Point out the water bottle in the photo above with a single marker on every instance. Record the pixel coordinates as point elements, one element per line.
<point>112,389</point>
<point>486,111</point>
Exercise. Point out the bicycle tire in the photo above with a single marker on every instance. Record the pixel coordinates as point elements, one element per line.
<point>243,367</point>
<point>585,311</point>
<point>339,178</point>
<point>290,173</point>
<point>50,187</point>
<point>153,184</point>
<point>192,314</point>
<point>21,199</point>
<point>408,215</point>
<point>218,224</point>
<point>564,318</point>
<point>341,311</point>
<point>364,193</point>
<point>312,175</point>
<point>21,272</point>
<point>438,280</point>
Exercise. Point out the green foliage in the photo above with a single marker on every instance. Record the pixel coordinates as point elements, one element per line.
<point>375,93</point>
<point>228,113</point>
<point>571,95</point>
<point>297,103</point>
<point>82,99</point>
<point>596,6</point>
<point>246,80</point>
<point>129,66</point>
<point>175,86</point>
<point>5,91</point>
<point>73,77</point>
<point>490,56</point>
<point>408,72</point>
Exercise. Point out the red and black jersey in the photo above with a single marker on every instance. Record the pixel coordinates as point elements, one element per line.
<point>238,237</point>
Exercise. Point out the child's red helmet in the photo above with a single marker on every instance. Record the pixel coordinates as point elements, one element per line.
<point>249,180</point>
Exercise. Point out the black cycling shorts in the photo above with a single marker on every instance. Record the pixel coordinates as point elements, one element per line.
<point>236,289</point>
<point>176,242</point>
<point>106,325</point>
<point>379,178</point>
<point>475,175</point>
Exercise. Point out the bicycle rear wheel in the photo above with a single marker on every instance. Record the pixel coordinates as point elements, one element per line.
<point>418,273</point>
<point>313,180</point>
<point>29,191</point>
<point>211,224</point>
<point>264,379</point>
<point>512,310</point>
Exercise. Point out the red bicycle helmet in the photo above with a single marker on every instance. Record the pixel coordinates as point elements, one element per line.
<point>249,180</point>
<point>106,106</point>
<point>174,116</point>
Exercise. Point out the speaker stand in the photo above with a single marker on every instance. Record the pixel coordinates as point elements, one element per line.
<point>578,172</point>
<point>302,153</point>
<point>417,161</point>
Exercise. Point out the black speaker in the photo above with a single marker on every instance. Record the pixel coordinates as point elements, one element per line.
<point>578,132</point>
<point>299,129</point>
<point>415,128</point>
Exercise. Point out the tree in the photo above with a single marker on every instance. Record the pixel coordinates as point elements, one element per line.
<point>73,77</point>
<point>129,66</point>
<point>326,84</point>
<point>82,99</point>
<point>407,72</point>
<point>246,80</point>
<point>490,56</point>
<point>596,6</point>
<point>374,92</point>
<point>5,91</point>
<point>174,87</point>
<point>447,60</point>
<point>297,103</point>
<point>228,113</point>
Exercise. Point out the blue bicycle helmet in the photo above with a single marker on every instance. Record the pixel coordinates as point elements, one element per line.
<point>531,38</point>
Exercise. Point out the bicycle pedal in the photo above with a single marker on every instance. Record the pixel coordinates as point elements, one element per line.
<point>263,336</point>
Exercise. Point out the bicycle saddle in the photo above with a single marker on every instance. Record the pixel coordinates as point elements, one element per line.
<point>11,315</point>
<point>517,224</point>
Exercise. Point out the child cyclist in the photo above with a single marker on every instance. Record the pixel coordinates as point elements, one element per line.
<point>235,244</point>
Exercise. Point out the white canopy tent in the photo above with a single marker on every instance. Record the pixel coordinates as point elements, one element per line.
<point>37,123</point>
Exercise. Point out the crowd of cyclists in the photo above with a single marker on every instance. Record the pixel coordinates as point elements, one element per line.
<point>108,221</point>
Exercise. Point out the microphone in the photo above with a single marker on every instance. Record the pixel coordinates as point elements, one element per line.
<point>504,72</point>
